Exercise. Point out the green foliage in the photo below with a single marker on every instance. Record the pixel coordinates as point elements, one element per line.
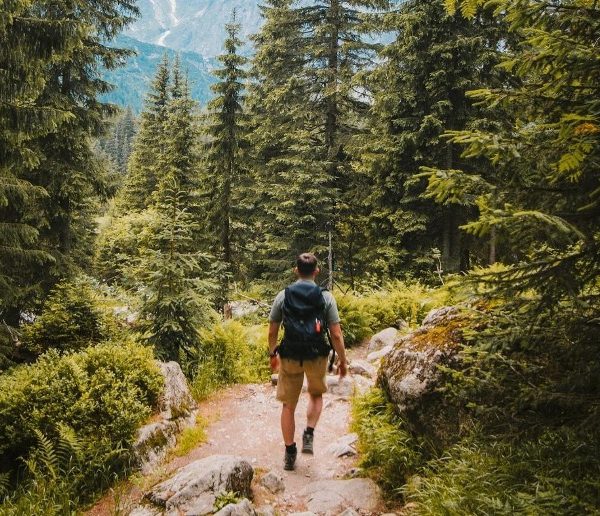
<point>554,474</point>
<point>191,437</point>
<point>388,453</point>
<point>366,314</point>
<point>73,317</point>
<point>102,393</point>
<point>226,498</point>
<point>229,353</point>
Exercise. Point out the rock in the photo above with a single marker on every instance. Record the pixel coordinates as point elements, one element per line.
<point>343,447</point>
<point>266,510</point>
<point>440,316</point>
<point>273,482</point>
<point>378,355</point>
<point>176,399</point>
<point>410,374</point>
<point>243,308</point>
<point>176,413</point>
<point>324,496</point>
<point>382,339</point>
<point>243,508</point>
<point>194,488</point>
<point>307,513</point>
<point>349,512</point>
<point>362,368</point>
<point>346,387</point>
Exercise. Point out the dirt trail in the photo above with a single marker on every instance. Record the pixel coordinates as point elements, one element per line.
<point>245,422</point>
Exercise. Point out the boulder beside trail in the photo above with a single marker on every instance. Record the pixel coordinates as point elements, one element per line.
<point>382,339</point>
<point>193,489</point>
<point>176,407</point>
<point>335,496</point>
<point>410,374</point>
<point>243,508</point>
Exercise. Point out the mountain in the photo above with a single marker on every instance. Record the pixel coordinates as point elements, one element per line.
<point>193,25</point>
<point>133,80</point>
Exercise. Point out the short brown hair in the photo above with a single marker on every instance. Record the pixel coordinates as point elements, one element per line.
<point>306,263</point>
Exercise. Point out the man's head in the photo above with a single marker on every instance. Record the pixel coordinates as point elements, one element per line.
<point>307,266</point>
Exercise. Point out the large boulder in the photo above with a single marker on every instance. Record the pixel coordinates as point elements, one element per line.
<point>176,407</point>
<point>411,375</point>
<point>243,508</point>
<point>335,496</point>
<point>193,489</point>
<point>382,339</point>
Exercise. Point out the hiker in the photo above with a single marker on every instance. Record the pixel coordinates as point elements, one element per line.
<point>307,313</point>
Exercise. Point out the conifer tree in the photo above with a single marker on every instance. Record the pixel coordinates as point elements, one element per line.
<point>225,160</point>
<point>50,63</point>
<point>143,173</point>
<point>306,190</point>
<point>420,91</point>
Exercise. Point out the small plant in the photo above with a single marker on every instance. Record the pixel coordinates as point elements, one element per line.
<point>226,498</point>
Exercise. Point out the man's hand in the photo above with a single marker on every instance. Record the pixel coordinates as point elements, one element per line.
<point>274,363</point>
<point>342,369</point>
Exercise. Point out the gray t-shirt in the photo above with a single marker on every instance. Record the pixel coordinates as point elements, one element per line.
<point>331,309</point>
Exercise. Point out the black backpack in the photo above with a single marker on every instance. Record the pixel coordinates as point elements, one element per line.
<point>304,323</point>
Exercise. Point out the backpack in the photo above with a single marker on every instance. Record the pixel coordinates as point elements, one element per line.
<point>304,323</point>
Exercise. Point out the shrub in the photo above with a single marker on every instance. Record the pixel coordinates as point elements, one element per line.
<point>73,317</point>
<point>388,452</point>
<point>103,394</point>
<point>230,353</point>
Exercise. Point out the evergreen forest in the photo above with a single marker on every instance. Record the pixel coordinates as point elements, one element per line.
<point>431,153</point>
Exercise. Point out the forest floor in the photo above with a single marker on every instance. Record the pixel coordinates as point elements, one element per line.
<point>243,420</point>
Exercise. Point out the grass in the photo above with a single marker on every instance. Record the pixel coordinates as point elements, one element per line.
<point>191,437</point>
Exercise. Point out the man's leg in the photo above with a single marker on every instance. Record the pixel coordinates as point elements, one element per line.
<point>315,406</point>
<point>288,423</point>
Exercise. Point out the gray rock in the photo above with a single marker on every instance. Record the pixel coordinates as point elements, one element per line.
<point>243,508</point>
<point>176,400</point>
<point>349,512</point>
<point>334,496</point>
<point>273,482</point>
<point>440,315</point>
<point>410,374</point>
<point>382,339</point>
<point>194,488</point>
<point>144,511</point>
<point>265,510</point>
<point>362,368</point>
<point>243,308</point>
<point>378,355</point>
<point>343,447</point>
<point>176,413</point>
<point>306,513</point>
<point>346,387</point>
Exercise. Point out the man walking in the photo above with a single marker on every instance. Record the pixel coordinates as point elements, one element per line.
<point>307,313</point>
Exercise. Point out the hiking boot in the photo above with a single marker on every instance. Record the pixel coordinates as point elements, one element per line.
<point>307,442</point>
<point>289,460</point>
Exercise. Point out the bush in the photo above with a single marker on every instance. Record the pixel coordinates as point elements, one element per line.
<point>389,453</point>
<point>230,353</point>
<point>73,318</point>
<point>103,394</point>
<point>366,314</point>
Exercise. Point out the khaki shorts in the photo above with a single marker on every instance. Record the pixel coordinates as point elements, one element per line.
<point>291,377</point>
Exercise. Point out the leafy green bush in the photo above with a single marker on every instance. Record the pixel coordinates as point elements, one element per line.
<point>103,394</point>
<point>388,453</point>
<point>230,353</point>
<point>73,318</point>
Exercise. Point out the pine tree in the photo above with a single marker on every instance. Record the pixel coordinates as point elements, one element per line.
<point>225,153</point>
<point>50,60</point>
<point>420,91</point>
<point>143,172</point>
<point>308,178</point>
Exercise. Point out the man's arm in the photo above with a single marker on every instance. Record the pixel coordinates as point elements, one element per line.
<point>273,332</point>
<point>337,341</point>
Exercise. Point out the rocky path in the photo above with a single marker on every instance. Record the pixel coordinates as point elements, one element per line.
<point>244,424</point>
